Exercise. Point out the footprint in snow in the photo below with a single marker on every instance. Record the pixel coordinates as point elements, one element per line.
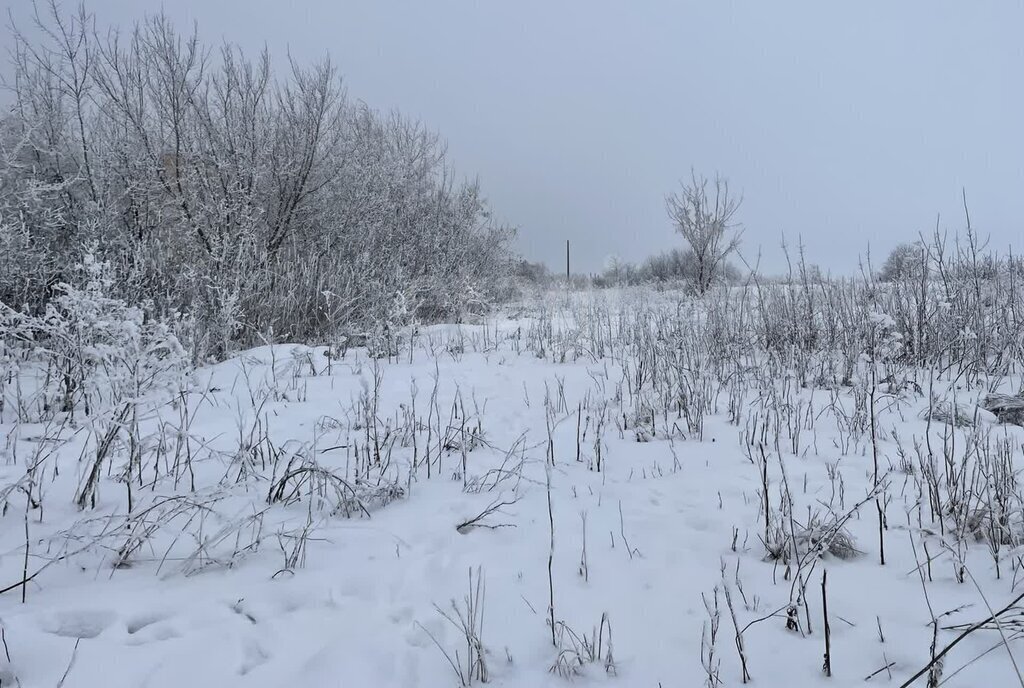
<point>140,621</point>
<point>253,656</point>
<point>150,627</point>
<point>152,634</point>
<point>81,623</point>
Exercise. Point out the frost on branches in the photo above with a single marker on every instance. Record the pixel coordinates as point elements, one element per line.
<point>86,351</point>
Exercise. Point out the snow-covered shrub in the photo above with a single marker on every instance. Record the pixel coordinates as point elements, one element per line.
<point>257,207</point>
<point>87,350</point>
<point>817,538</point>
<point>328,490</point>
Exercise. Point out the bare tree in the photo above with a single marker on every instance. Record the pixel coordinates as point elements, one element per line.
<point>703,213</point>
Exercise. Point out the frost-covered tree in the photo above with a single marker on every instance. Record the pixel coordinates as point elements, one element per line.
<point>905,262</point>
<point>246,201</point>
<point>703,212</point>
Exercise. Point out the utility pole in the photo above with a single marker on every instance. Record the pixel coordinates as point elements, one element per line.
<point>567,280</point>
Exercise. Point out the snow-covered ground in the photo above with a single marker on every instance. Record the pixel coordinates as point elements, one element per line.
<point>295,519</point>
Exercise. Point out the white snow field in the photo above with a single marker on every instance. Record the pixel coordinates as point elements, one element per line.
<point>299,516</point>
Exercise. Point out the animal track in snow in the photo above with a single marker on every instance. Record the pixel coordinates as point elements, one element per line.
<point>253,656</point>
<point>140,621</point>
<point>80,623</point>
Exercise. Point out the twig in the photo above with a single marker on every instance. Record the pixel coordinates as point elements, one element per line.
<point>71,663</point>
<point>827,666</point>
<point>960,637</point>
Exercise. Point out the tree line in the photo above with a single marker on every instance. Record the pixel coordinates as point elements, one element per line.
<point>241,202</point>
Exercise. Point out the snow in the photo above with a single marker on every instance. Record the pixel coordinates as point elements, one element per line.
<point>239,591</point>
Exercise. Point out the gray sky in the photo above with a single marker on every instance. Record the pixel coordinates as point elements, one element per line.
<point>844,124</point>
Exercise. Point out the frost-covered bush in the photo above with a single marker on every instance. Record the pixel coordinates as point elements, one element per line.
<point>241,204</point>
<point>86,350</point>
<point>962,313</point>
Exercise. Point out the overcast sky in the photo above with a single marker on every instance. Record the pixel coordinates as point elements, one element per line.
<point>843,124</point>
